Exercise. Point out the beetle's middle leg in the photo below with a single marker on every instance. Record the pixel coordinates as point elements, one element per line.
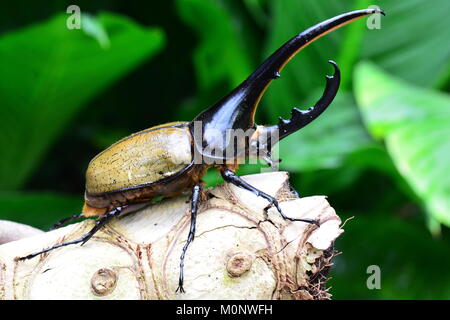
<point>100,222</point>
<point>196,192</point>
<point>231,177</point>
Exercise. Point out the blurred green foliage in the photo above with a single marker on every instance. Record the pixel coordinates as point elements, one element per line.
<point>414,123</point>
<point>43,85</point>
<point>381,152</point>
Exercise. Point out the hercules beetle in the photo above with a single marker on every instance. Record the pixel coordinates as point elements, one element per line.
<point>167,159</point>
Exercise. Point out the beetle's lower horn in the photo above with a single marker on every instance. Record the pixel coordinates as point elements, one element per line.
<point>301,118</point>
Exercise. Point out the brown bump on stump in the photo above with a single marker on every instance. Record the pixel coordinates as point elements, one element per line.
<point>103,281</point>
<point>238,264</point>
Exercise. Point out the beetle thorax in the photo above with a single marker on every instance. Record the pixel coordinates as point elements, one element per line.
<point>215,146</point>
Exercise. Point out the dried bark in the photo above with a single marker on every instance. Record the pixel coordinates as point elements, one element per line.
<point>239,252</point>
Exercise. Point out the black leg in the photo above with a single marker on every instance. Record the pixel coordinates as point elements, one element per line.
<point>196,191</point>
<point>61,222</point>
<point>100,222</point>
<point>231,177</point>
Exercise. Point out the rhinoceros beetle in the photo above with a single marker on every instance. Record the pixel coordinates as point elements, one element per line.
<point>168,159</point>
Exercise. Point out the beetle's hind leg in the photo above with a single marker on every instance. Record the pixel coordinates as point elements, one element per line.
<point>196,193</point>
<point>100,222</point>
<point>62,222</point>
<point>231,177</point>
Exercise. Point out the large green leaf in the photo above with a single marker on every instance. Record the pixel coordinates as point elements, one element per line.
<point>413,40</point>
<point>49,72</point>
<point>415,124</point>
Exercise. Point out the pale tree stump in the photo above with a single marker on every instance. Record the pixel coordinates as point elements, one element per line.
<point>239,252</point>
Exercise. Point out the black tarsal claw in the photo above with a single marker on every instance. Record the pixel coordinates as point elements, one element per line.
<point>180,289</point>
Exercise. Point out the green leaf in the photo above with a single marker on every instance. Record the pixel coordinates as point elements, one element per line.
<point>49,72</point>
<point>341,179</point>
<point>38,209</point>
<point>412,263</point>
<point>220,56</point>
<point>415,124</point>
<point>221,59</point>
<point>413,41</point>
<point>93,27</point>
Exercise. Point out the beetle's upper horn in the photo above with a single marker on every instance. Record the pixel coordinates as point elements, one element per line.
<point>237,109</point>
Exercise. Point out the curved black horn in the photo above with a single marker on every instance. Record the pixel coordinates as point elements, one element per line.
<point>301,118</point>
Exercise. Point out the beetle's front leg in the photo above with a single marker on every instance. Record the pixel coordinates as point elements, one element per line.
<point>231,177</point>
<point>196,192</point>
